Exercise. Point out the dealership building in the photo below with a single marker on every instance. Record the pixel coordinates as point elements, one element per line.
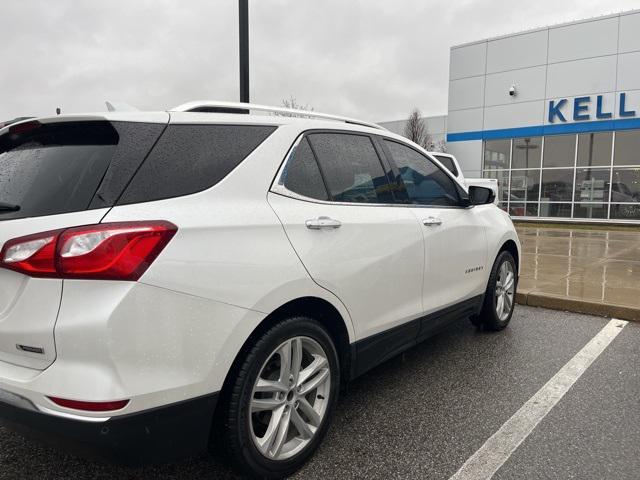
<point>554,115</point>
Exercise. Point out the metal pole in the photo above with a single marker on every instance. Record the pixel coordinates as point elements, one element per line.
<point>243,11</point>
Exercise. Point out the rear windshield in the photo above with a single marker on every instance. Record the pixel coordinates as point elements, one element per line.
<point>49,169</point>
<point>55,168</point>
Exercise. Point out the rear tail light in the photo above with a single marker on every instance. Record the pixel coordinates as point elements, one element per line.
<point>90,406</point>
<point>32,255</point>
<point>108,251</point>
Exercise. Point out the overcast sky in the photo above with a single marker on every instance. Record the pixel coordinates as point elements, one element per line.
<point>370,59</point>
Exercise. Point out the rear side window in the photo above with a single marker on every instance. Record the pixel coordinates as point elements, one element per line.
<point>425,182</point>
<point>191,158</point>
<point>448,163</point>
<point>48,169</point>
<point>302,175</point>
<point>351,168</point>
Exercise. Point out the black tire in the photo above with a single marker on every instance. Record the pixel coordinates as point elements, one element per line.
<point>234,430</point>
<point>488,318</point>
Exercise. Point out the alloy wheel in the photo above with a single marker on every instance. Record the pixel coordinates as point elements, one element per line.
<point>505,290</point>
<point>290,398</point>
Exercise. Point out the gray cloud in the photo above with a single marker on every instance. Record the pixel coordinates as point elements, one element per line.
<point>363,58</point>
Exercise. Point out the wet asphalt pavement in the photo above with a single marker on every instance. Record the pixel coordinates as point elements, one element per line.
<point>423,414</point>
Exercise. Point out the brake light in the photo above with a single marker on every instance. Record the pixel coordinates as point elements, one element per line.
<point>24,127</point>
<point>108,251</point>
<point>90,406</point>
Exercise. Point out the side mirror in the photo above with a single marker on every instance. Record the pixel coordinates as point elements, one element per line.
<point>480,195</point>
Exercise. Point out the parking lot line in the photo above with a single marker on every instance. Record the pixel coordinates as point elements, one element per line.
<point>499,447</point>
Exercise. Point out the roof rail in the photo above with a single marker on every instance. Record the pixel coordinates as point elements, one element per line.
<point>245,108</point>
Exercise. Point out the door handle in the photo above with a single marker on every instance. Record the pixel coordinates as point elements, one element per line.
<point>429,221</point>
<point>322,222</point>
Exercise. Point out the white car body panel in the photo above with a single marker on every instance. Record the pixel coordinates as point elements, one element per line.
<point>29,306</point>
<point>380,286</point>
<point>453,250</point>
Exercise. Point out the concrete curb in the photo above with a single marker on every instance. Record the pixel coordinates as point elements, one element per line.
<point>579,306</point>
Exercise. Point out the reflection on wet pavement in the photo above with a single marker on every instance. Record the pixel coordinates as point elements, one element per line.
<point>592,265</point>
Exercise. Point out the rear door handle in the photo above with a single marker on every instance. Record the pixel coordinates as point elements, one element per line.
<point>429,221</point>
<point>322,222</point>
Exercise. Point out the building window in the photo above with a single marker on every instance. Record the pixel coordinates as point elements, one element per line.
<point>557,185</point>
<point>503,183</point>
<point>523,209</point>
<point>625,212</point>
<point>594,149</point>
<point>555,210</point>
<point>590,210</point>
<point>627,149</point>
<point>497,154</point>
<point>625,185</point>
<point>568,176</point>
<point>559,151</point>
<point>525,186</point>
<point>592,185</point>
<point>526,152</point>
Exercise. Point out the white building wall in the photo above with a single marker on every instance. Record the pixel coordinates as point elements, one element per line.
<point>599,56</point>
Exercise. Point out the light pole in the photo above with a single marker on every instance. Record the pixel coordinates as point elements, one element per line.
<point>243,14</point>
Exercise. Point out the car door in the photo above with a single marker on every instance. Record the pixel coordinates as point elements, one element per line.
<point>335,202</point>
<point>454,235</point>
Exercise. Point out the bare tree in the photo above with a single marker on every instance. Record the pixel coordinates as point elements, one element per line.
<point>293,104</point>
<point>439,146</point>
<point>416,130</point>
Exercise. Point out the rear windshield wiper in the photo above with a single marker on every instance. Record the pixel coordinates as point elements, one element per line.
<point>8,207</point>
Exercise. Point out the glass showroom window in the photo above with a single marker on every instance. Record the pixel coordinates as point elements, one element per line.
<point>496,161</point>
<point>559,151</point>
<point>526,152</point>
<point>555,210</point>
<point>594,149</point>
<point>627,149</point>
<point>503,184</point>
<point>568,176</point>
<point>524,193</point>
<point>525,185</point>
<point>497,154</point>
<point>625,194</point>
<point>591,194</point>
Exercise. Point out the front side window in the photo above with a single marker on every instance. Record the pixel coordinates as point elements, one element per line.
<point>351,168</point>
<point>302,175</point>
<point>425,182</point>
<point>448,163</point>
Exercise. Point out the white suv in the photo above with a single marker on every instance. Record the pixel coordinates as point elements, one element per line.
<point>209,277</point>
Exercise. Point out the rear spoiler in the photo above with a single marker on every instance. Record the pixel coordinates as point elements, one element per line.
<point>15,120</point>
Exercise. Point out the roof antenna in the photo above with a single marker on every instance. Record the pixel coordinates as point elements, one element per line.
<point>58,111</point>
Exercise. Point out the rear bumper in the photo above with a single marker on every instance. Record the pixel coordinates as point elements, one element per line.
<point>158,435</point>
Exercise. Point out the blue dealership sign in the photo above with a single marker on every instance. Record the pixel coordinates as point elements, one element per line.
<point>557,109</point>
